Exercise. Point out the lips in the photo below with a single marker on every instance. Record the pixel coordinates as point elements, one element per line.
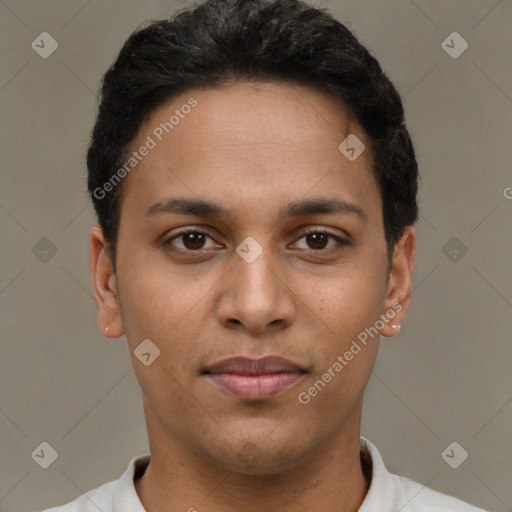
<point>254,379</point>
<point>247,366</point>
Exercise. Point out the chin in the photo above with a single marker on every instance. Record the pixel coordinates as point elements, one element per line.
<point>259,457</point>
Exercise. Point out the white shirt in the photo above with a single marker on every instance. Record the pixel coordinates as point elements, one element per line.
<point>387,492</point>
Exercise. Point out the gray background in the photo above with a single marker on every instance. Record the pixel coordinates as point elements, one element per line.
<point>445,378</point>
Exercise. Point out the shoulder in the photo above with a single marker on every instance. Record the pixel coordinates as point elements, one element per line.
<point>119,495</point>
<point>391,493</point>
<point>100,498</point>
<point>418,498</point>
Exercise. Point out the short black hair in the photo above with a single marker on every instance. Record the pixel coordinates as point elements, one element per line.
<point>219,41</point>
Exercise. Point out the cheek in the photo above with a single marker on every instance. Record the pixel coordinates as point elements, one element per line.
<point>348,301</point>
<point>169,310</point>
<point>155,299</point>
<point>154,309</point>
<point>347,347</point>
<point>142,306</point>
<point>344,312</point>
<point>337,393</point>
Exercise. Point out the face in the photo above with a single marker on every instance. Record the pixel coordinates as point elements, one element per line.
<point>246,233</point>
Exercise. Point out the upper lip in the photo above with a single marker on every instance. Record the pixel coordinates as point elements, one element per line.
<point>248,366</point>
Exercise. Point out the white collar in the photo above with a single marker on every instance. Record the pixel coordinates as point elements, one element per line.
<point>383,494</point>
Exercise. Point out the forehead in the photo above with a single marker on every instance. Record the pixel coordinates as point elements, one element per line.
<point>250,144</point>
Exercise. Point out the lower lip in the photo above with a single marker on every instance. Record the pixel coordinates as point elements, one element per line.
<point>255,387</point>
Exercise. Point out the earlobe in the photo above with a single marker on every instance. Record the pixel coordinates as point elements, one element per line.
<point>398,298</point>
<point>396,329</point>
<point>104,285</point>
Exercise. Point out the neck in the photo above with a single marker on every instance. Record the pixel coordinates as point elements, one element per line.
<point>178,479</point>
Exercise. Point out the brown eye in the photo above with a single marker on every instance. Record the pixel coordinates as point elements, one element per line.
<point>193,241</point>
<point>317,240</point>
<point>188,241</point>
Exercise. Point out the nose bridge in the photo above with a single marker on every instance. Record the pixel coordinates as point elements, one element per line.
<point>256,284</point>
<point>257,295</point>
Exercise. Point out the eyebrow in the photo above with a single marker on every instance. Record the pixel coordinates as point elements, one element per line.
<point>209,209</point>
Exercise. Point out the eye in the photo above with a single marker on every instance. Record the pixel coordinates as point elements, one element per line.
<point>192,239</point>
<point>318,240</point>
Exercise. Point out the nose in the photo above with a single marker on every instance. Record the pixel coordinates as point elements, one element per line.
<point>255,295</point>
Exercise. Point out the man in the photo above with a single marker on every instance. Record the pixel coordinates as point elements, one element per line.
<point>255,187</point>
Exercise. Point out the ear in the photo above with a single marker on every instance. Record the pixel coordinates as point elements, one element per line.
<point>398,297</point>
<point>104,284</point>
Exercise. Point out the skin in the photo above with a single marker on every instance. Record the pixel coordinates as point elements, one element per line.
<point>252,148</point>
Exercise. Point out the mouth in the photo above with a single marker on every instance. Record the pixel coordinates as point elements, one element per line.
<point>255,379</point>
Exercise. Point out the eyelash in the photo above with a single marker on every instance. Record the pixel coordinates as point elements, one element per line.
<point>308,231</point>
